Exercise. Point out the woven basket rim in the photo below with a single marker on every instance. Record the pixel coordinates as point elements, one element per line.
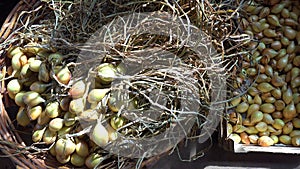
<point>6,124</point>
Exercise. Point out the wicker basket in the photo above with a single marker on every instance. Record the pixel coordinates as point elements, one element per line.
<point>18,151</point>
<point>8,131</point>
<point>13,142</point>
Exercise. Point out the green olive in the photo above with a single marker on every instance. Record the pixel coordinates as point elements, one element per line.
<point>277,115</point>
<point>13,50</point>
<point>284,41</point>
<point>256,27</point>
<point>251,71</point>
<point>52,151</point>
<point>253,91</point>
<point>281,53</point>
<point>296,98</point>
<point>257,100</point>
<point>298,108</point>
<point>285,13</point>
<point>16,61</point>
<point>298,37</point>
<point>55,58</point>
<point>290,22</point>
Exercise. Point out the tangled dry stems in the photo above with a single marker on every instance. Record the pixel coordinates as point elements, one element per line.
<point>66,25</point>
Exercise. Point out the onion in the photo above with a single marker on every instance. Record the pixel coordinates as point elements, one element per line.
<point>106,73</point>
<point>99,135</point>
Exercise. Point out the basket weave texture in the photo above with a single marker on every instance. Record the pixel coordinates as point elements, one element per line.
<point>12,144</point>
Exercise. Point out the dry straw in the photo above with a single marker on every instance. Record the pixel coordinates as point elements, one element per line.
<point>65,25</point>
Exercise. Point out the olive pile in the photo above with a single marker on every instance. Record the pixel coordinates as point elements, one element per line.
<point>270,111</point>
<point>39,82</point>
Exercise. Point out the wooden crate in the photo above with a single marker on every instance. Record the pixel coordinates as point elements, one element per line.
<point>229,145</point>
